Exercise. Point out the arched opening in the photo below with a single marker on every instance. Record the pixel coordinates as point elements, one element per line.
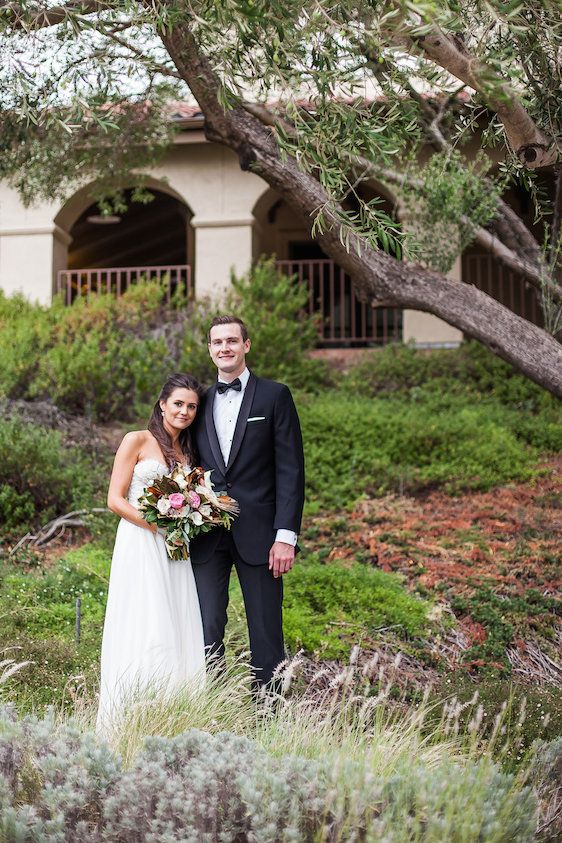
<point>345,321</point>
<point>155,234</point>
<point>107,254</point>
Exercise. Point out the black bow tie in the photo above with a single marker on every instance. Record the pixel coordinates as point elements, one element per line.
<point>235,384</point>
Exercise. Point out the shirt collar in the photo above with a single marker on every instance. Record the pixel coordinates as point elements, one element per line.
<point>244,378</point>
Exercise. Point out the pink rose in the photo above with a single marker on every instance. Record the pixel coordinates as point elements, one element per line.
<point>194,500</point>
<point>177,500</point>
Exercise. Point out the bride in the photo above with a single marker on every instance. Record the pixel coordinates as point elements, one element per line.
<point>153,635</point>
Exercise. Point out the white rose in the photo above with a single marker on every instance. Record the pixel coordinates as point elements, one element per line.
<point>207,494</point>
<point>163,506</point>
<point>205,509</point>
<point>181,481</point>
<point>196,518</point>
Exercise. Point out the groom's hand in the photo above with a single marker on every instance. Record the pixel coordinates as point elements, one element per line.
<point>281,558</point>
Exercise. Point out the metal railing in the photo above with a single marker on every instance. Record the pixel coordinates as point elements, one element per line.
<point>504,285</point>
<point>79,283</point>
<point>344,320</point>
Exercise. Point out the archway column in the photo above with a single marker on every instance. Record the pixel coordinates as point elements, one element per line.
<point>221,245</point>
<point>30,258</point>
<point>428,331</point>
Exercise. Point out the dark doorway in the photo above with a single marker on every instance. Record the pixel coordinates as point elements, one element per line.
<point>155,234</point>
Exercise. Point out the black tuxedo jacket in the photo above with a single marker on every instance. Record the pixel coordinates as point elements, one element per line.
<point>265,471</point>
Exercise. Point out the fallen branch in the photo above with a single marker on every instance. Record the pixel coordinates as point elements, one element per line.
<point>534,664</point>
<point>55,528</point>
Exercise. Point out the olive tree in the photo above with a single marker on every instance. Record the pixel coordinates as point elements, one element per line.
<point>443,102</point>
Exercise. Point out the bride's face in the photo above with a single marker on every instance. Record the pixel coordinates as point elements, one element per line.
<point>180,408</point>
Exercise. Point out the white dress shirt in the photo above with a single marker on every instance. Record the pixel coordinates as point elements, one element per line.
<point>226,407</point>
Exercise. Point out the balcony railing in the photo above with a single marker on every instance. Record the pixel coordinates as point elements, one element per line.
<point>344,320</point>
<point>504,285</point>
<point>79,283</point>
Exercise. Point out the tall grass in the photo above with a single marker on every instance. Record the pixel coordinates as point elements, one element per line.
<point>350,717</point>
<point>335,760</point>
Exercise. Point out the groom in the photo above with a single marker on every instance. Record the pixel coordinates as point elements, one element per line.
<point>248,432</point>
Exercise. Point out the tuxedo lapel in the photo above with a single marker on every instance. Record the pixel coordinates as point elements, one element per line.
<point>240,428</point>
<point>211,430</point>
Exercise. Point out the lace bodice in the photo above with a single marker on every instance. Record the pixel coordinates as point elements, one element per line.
<point>144,473</point>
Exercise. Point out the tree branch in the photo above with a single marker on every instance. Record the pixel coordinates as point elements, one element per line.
<point>147,61</point>
<point>376,275</point>
<point>486,239</point>
<point>533,148</point>
<point>18,17</point>
<point>531,270</point>
<point>510,228</point>
<point>556,226</point>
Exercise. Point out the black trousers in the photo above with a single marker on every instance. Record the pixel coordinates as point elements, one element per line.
<point>263,598</point>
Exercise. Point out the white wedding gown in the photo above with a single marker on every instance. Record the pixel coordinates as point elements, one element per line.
<point>153,634</point>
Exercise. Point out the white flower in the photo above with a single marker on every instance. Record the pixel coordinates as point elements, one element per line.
<point>163,506</point>
<point>196,517</point>
<point>181,481</point>
<point>205,509</point>
<point>207,494</point>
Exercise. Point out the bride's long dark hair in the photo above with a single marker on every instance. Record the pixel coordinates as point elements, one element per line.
<point>156,421</point>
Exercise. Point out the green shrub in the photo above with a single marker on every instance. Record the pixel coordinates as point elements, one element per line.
<point>41,478</point>
<point>25,329</point>
<point>38,613</point>
<point>329,608</point>
<point>364,445</point>
<point>103,361</point>
<point>470,369</point>
<point>17,509</point>
<point>106,358</point>
<point>532,712</point>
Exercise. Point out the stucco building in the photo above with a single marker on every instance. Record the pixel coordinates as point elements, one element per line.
<point>207,218</point>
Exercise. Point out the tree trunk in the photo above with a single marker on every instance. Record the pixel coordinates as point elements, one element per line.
<point>378,277</point>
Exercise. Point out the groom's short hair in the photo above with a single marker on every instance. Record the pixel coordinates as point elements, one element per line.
<point>228,320</point>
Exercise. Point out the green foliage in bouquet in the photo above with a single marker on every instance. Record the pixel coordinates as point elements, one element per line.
<point>183,504</point>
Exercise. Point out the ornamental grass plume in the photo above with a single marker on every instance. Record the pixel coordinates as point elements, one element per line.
<point>219,701</point>
<point>10,666</point>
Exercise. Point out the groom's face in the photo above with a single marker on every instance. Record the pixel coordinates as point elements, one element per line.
<point>227,348</point>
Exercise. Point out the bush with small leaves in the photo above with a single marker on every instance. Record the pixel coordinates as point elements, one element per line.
<point>41,478</point>
<point>60,784</point>
<point>54,779</point>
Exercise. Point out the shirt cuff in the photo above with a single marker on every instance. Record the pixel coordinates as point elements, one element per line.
<point>286,536</point>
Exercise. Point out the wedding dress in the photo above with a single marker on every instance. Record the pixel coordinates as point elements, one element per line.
<point>153,634</point>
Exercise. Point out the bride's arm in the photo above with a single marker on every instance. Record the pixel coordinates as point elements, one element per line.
<point>123,466</point>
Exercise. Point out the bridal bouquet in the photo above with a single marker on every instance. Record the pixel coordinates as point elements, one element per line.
<point>183,504</point>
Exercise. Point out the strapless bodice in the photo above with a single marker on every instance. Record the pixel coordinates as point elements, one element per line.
<point>145,472</point>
